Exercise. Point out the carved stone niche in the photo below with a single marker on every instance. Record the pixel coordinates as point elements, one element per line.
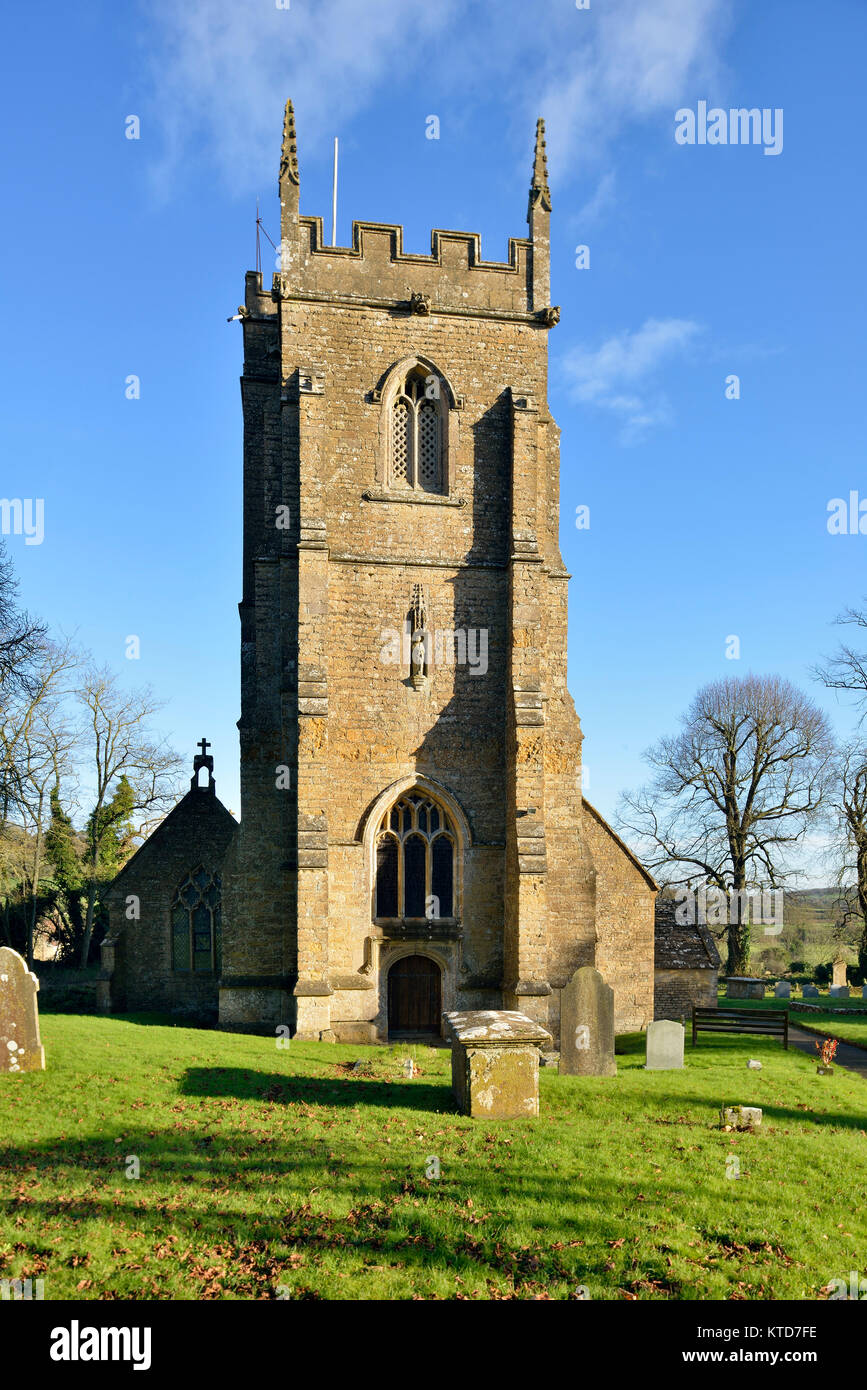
<point>419,638</point>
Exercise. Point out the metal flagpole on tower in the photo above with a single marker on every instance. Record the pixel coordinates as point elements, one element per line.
<point>334,199</point>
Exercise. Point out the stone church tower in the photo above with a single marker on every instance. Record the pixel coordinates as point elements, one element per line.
<point>413,835</point>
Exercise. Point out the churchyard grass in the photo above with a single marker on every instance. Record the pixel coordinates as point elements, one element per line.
<point>830,1021</point>
<point>268,1172</point>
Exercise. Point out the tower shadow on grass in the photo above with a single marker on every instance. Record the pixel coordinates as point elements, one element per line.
<point>281,1088</point>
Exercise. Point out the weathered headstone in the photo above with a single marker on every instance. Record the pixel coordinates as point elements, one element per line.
<point>744,987</point>
<point>664,1045</point>
<point>741,1117</point>
<point>495,1062</point>
<point>782,990</point>
<point>754,1064</point>
<point>810,992</point>
<point>839,991</point>
<point>839,973</point>
<point>864,991</point>
<point>587,1025</point>
<point>20,1047</point>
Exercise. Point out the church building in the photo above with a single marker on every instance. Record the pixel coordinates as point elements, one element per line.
<point>413,836</point>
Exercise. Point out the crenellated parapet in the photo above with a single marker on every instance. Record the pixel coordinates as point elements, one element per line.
<point>376,272</point>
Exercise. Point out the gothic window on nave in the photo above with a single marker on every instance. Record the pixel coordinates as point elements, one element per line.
<point>195,919</point>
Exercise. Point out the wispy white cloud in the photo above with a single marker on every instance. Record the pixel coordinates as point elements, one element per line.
<point>222,70</point>
<point>621,375</point>
<point>639,61</point>
<point>601,201</point>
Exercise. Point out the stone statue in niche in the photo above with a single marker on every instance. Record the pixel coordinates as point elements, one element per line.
<point>417,657</point>
<point>419,639</point>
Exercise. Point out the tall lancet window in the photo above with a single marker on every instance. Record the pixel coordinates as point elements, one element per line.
<point>417,433</point>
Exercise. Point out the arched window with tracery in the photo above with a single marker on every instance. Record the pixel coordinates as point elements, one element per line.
<point>416,848</point>
<point>417,433</point>
<point>196,934</point>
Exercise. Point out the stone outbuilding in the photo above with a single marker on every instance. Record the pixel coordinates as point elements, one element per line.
<point>686,965</point>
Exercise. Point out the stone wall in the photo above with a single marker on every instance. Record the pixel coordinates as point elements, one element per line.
<point>625,897</point>
<point>677,992</point>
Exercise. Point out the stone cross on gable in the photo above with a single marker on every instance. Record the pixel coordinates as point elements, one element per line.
<point>204,745</point>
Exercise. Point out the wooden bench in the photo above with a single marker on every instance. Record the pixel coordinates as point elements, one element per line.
<point>773,1023</point>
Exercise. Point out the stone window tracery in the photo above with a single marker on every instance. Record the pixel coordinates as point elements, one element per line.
<point>416,846</point>
<point>196,926</point>
<point>417,433</point>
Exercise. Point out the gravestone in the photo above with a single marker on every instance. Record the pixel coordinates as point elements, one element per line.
<point>495,1062</point>
<point>664,1046</point>
<point>741,1117</point>
<point>864,991</point>
<point>744,987</point>
<point>587,1025</point>
<point>839,973</point>
<point>810,992</point>
<point>20,1047</point>
<point>839,991</point>
<point>754,1064</point>
<point>782,990</point>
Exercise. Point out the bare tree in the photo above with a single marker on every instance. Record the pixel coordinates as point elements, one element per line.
<point>22,637</point>
<point>847,668</point>
<point>36,742</point>
<point>120,746</point>
<point>733,793</point>
<point>45,740</point>
<point>849,847</point>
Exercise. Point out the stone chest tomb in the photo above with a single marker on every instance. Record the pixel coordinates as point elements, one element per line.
<point>495,1063</point>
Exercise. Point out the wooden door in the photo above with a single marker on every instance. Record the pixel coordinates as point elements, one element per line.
<point>414,996</point>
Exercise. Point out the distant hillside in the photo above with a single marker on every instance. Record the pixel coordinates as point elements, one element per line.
<point>811,905</point>
<point>810,916</point>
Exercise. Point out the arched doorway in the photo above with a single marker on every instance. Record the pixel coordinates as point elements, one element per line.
<point>414,996</point>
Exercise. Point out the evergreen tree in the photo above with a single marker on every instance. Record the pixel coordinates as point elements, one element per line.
<point>64,854</point>
<point>61,848</point>
<point>110,831</point>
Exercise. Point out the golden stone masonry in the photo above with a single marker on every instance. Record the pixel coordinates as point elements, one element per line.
<point>426,847</point>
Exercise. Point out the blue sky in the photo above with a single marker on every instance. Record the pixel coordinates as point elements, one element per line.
<point>708,515</point>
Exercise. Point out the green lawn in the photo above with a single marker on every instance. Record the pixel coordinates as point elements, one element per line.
<point>267,1170</point>
<point>830,1023</point>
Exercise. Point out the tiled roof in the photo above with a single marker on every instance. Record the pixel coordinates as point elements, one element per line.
<point>682,947</point>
